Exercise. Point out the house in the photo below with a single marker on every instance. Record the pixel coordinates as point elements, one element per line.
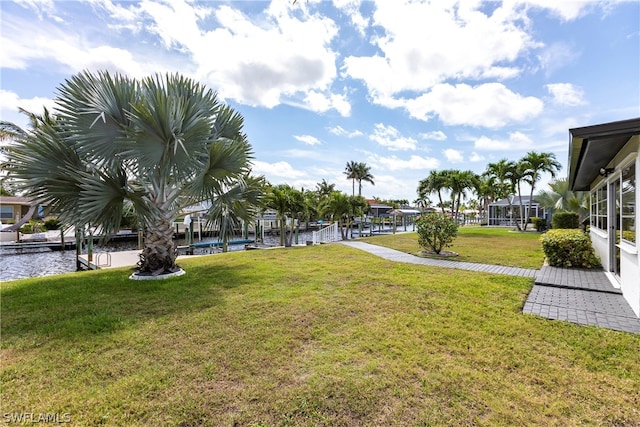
<point>604,160</point>
<point>377,209</point>
<point>13,209</point>
<point>506,212</point>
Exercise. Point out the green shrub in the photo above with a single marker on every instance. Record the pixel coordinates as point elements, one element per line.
<point>564,220</point>
<point>569,248</point>
<point>52,224</point>
<point>540,224</point>
<point>436,232</point>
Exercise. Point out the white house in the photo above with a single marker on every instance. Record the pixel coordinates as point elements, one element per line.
<point>604,159</point>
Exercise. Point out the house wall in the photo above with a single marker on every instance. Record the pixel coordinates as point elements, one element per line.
<point>629,254</point>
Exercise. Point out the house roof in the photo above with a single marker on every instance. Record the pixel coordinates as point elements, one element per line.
<point>515,200</point>
<point>11,200</point>
<point>403,212</point>
<point>593,147</point>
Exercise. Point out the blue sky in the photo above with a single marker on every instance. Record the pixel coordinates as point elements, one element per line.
<point>404,86</point>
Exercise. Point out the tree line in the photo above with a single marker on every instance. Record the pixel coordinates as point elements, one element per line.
<point>499,181</point>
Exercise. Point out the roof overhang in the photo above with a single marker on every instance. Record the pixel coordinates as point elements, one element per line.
<point>593,147</point>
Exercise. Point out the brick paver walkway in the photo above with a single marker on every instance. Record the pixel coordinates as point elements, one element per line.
<point>585,297</point>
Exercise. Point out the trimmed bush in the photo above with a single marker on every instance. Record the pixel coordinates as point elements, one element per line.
<point>569,248</point>
<point>52,224</point>
<point>436,232</point>
<point>565,220</point>
<point>540,224</point>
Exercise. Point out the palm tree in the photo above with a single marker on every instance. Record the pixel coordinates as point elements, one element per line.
<point>459,182</point>
<point>351,170</point>
<point>161,142</point>
<point>363,173</point>
<point>534,165</point>
<point>504,174</point>
<point>277,198</point>
<point>561,198</point>
<point>324,189</point>
<point>241,200</point>
<point>434,183</point>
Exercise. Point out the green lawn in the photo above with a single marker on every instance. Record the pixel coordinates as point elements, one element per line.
<point>499,246</point>
<point>324,335</point>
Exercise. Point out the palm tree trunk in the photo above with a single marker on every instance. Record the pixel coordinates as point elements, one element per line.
<point>159,253</point>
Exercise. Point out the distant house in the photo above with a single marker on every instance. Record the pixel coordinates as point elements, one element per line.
<point>506,212</point>
<point>377,209</point>
<point>13,209</point>
<point>604,160</point>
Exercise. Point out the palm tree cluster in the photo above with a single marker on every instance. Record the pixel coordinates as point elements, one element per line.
<point>157,144</point>
<point>500,180</point>
<point>292,206</point>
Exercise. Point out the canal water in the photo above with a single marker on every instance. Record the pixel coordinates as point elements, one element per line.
<point>15,265</point>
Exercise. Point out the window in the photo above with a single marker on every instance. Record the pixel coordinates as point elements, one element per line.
<point>628,204</point>
<point>599,208</point>
<point>6,212</point>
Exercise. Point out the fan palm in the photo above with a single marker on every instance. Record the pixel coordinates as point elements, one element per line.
<point>161,143</point>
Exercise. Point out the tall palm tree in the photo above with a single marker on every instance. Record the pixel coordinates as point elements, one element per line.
<point>504,174</point>
<point>363,173</point>
<point>161,142</point>
<point>535,164</point>
<point>459,182</point>
<point>351,171</point>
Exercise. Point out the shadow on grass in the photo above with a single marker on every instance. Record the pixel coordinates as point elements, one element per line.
<point>79,305</point>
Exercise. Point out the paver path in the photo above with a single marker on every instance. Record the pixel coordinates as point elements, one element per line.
<point>394,255</point>
<point>579,296</point>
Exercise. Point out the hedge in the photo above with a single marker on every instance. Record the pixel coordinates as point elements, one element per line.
<point>565,220</point>
<point>569,248</point>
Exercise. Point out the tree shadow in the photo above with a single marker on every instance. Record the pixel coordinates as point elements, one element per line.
<point>86,304</point>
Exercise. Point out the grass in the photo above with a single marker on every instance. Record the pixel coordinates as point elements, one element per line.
<point>497,246</point>
<point>324,335</point>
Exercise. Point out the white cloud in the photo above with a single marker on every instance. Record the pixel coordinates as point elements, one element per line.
<point>281,54</point>
<point>278,169</point>
<point>566,10</point>
<point>475,157</point>
<point>566,94</point>
<point>490,105</point>
<point>307,139</point>
<point>557,55</point>
<point>390,137</point>
<point>515,141</point>
<point>437,135</point>
<point>340,131</point>
<point>453,156</point>
<point>268,60</point>
<point>10,103</point>
<point>320,102</point>
<point>352,9</point>
<point>470,44</point>
<point>393,163</point>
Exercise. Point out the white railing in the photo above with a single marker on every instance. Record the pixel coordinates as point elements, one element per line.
<point>330,233</point>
